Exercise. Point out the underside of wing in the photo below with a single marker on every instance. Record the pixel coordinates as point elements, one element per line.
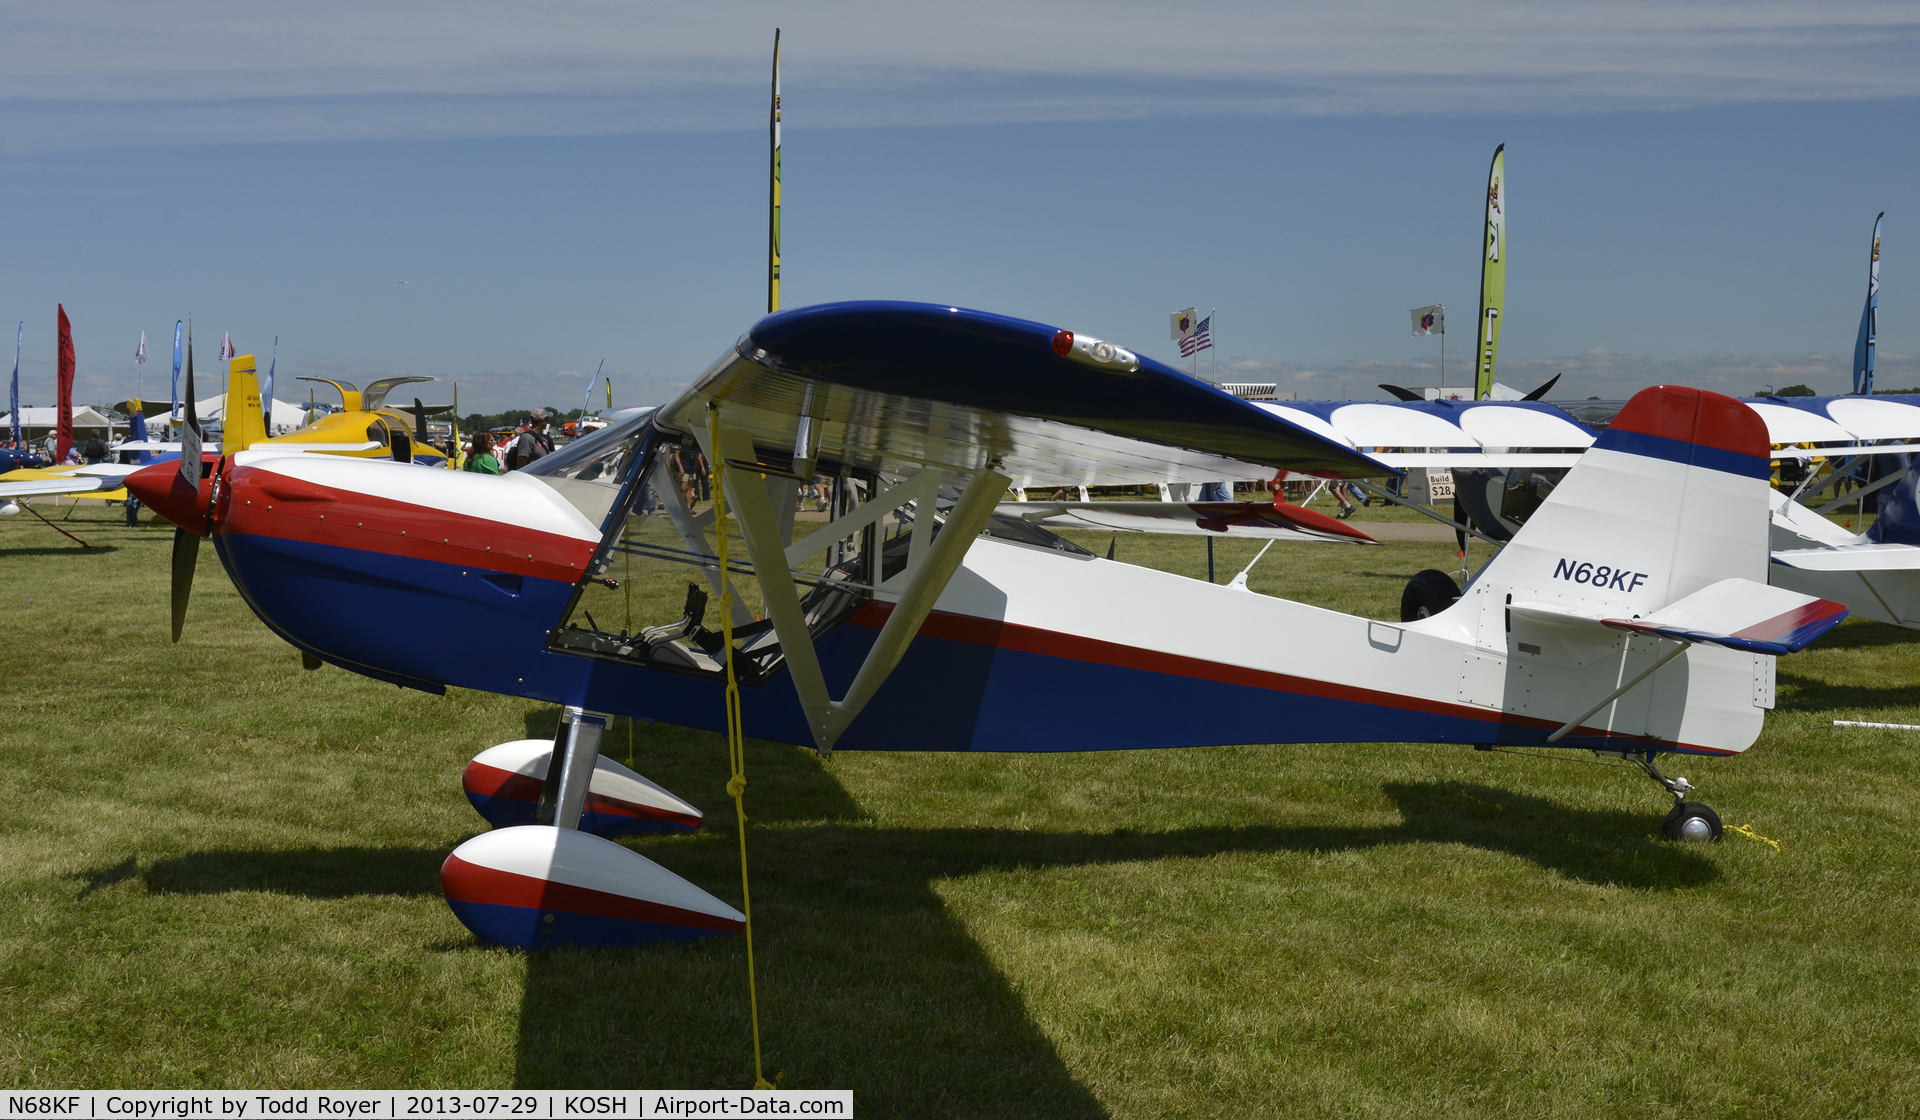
<point>1852,558</point>
<point>1252,520</point>
<point>897,387</point>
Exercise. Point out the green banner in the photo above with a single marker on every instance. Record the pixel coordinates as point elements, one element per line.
<point>1493,275</point>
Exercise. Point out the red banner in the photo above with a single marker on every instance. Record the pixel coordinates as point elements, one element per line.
<point>63,431</point>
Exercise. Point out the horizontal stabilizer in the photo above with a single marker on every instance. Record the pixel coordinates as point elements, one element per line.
<point>1741,614</point>
<point>1852,558</point>
<point>1252,520</point>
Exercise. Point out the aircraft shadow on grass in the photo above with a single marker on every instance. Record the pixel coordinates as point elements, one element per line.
<point>1809,694</point>
<point>69,550</point>
<point>866,980</point>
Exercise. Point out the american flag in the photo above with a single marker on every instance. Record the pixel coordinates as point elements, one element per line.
<point>1200,339</point>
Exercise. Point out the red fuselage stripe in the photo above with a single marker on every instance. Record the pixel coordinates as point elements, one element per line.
<point>265,503</point>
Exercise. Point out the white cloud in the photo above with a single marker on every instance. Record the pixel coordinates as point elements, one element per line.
<point>122,72</point>
<point>1596,373</point>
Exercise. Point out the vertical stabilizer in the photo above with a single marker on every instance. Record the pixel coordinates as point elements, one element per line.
<point>243,424</point>
<point>1671,499</point>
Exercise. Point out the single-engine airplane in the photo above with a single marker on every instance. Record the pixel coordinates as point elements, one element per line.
<point>1630,615</point>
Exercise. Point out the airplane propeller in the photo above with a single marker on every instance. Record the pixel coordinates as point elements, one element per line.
<point>186,554</point>
<point>1542,390</point>
<point>1410,395</point>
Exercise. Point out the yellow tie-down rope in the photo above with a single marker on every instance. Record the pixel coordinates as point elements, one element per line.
<point>1747,831</point>
<point>736,743</point>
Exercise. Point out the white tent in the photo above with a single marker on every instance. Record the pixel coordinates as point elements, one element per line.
<point>44,419</point>
<point>213,410</point>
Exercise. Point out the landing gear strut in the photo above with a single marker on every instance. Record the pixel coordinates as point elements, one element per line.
<point>1688,820</point>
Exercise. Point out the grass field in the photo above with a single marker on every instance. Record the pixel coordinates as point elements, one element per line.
<point>223,872</point>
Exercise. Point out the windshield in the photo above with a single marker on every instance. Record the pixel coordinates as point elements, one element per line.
<point>588,472</point>
<point>576,458</point>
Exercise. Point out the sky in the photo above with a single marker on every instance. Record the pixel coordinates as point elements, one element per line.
<point>1691,186</point>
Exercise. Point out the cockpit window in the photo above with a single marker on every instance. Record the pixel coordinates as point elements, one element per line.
<point>588,472</point>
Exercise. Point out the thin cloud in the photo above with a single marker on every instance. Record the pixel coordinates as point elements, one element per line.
<point>138,73</point>
<point>1596,373</point>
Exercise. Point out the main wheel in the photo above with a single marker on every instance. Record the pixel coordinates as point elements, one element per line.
<point>1427,594</point>
<point>1692,821</point>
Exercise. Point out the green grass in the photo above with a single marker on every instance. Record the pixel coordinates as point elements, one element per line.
<point>221,871</point>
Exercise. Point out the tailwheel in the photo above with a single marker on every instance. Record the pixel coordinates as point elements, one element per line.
<point>1693,821</point>
<point>1688,821</point>
<point>1427,594</point>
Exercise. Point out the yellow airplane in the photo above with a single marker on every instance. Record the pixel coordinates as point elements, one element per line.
<point>366,429</point>
<point>398,433</point>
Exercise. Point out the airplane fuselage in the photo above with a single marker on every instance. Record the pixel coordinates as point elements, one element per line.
<point>1028,648</point>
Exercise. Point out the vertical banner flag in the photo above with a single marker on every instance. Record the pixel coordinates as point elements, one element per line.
<point>593,384</point>
<point>773,186</point>
<point>139,360</point>
<point>1493,276</point>
<point>190,431</point>
<point>1429,320</point>
<point>266,390</point>
<point>226,347</point>
<point>1200,339</point>
<point>1869,321</point>
<point>173,414</point>
<point>63,388</point>
<point>13,394</point>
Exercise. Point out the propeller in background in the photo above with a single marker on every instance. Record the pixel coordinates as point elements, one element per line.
<point>186,545</point>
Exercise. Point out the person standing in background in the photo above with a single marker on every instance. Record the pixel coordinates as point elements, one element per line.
<point>480,460</point>
<point>534,443</point>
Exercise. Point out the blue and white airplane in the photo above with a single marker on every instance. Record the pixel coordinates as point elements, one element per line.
<point>1631,614</point>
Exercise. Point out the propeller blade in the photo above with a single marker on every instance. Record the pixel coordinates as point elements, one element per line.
<point>1403,394</point>
<point>1542,390</point>
<point>419,422</point>
<point>186,553</point>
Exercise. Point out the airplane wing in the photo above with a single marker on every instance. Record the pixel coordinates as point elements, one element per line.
<point>69,484</point>
<point>162,446</point>
<point>897,387</point>
<point>1852,558</point>
<point>1249,520</point>
<point>1467,429</point>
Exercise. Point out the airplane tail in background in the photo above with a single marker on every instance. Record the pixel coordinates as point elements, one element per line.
<point>243,423</point>
<point>1660,528</point>
<point>138,433</point>
<point>1898,521</point>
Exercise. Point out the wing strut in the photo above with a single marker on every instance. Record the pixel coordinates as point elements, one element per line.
<point>928,569</point>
